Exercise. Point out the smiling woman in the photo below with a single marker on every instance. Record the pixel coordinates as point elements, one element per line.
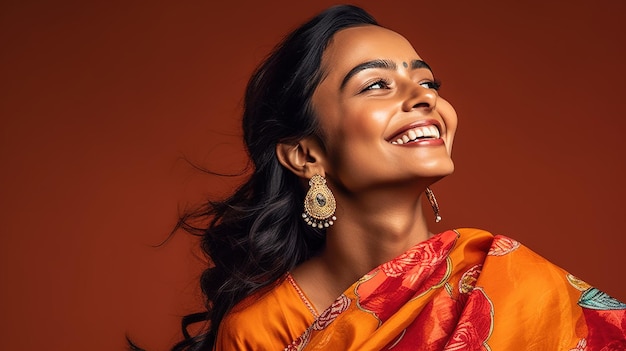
<point>370,97</point>
<point>350,108</point>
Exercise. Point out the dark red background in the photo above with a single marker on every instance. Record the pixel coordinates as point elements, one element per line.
<point>99,99</point>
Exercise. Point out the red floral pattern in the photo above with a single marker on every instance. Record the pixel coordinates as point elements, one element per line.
<point>606,330</point>
<point>330,314</point>
<point>474,326</point>
<point>300,342</point>
<point>324,320</point>
<point>431,327</point>
<point>419,287</point>
<point>502,245</point>
<point>422,255</point>
<point>405,277</point>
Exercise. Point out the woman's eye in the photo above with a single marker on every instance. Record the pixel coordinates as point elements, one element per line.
<point>379,84</point>
<point>435,85</point>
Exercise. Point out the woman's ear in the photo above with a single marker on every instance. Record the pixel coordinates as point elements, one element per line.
<point>304,158</point>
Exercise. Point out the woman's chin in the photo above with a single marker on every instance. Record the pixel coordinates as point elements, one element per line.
<point>439,170</point>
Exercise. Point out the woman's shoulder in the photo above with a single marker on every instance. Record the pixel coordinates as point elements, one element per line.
<point>483,238</point>
<point>510,264</point>
<point>268,319</point>
<point>473,233</point>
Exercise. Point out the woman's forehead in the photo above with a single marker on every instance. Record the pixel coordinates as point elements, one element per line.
<point>364,43</point>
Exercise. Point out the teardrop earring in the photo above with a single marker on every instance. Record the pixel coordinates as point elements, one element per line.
<point>319,204</point>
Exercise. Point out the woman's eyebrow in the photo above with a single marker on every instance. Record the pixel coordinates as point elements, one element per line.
<point>416,64</point>
<point>384,64</point>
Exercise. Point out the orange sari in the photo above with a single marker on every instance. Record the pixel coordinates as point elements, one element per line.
<point>459,290</point>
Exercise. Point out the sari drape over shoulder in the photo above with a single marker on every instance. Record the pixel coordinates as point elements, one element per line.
<point>459,290</point>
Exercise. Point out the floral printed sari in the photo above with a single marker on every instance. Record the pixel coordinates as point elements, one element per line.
<point>459,290</point>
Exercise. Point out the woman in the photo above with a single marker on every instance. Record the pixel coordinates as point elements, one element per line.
<point>325,247</point>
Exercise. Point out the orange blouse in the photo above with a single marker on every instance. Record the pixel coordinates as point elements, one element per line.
<point>268,320</point>
<point>459,290</point>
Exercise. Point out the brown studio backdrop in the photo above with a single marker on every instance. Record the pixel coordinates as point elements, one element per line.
<point>100,99</point>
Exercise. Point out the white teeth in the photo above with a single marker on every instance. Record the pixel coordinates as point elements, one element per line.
<point>412,134</point>
<point>416,133</point>
<point>434,131</point>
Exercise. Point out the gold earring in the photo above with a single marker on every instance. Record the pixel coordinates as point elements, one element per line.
<point>319,204</point>
<point>433,203</point>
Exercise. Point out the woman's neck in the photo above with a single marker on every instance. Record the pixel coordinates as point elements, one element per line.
<point>368,232</point>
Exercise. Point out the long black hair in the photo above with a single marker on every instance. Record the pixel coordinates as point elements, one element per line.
<point>255,236</point>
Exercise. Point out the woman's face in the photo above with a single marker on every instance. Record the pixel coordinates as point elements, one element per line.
<point>382,119</point>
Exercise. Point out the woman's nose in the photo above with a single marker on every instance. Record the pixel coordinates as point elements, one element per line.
<point>419,97</point>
